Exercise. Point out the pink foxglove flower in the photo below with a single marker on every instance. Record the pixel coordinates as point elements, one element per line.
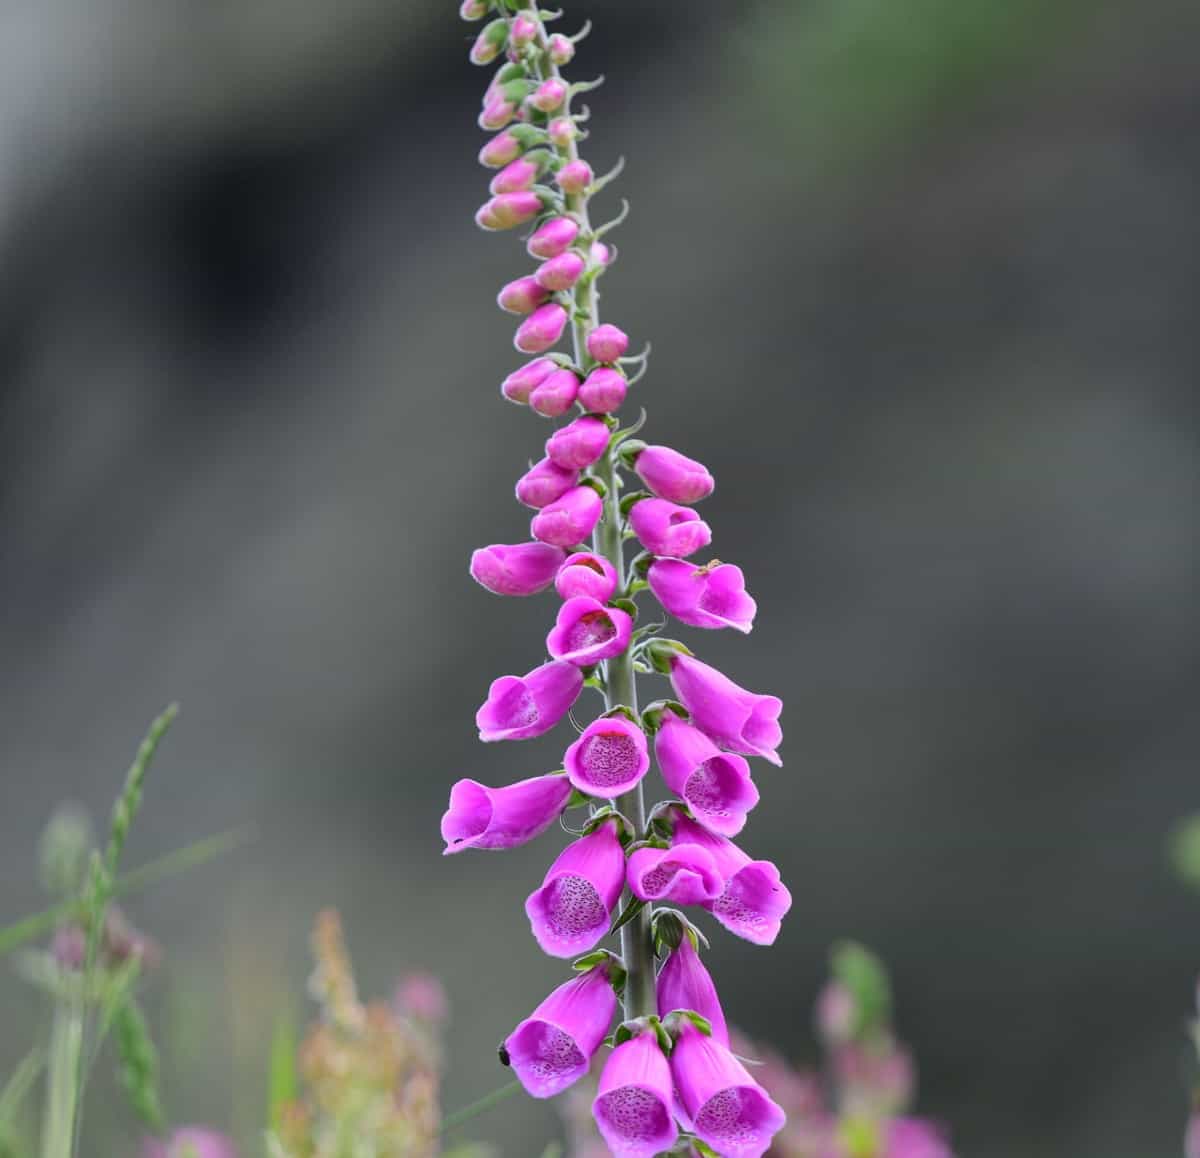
<point>603,390</point>
<point>522,296</point>
<point>542,329</point>
<point>544,483</point>
<point>574,177</point>
<point>482,817</point>
<point>607,343</point>
<point>520,707</point>
<point>572,910</point>
<point>579,444</point>
<point>684,984</point>
<point>501,150</point>
<point>561,50</point>
<point>586,631</point>
<point>561,272</point>
<point>555,394</point>
<point>585,573</point>
<point>549,95</point>
<point>553,1047</point>
<point>715,785</point>
<point>664,528</point>
<point>634,1104</point>
<point>553,238</point>
<point>734,718</point>
<point>516,569</point>
<point>521,382</point>
<point>728,1109</point>
<point>609,759</point>
<point>673,476</point>
<point>508,210</point>
<point>567,521</point>
<point>516,175</point>
<point>711,596</point>
<point>562,132</point>
<point>915,1138</point>
<point>683,875</point>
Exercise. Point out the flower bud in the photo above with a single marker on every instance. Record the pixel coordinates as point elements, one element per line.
<point>489,43</point>
<point>606,343</point>
<point>549,95</point>
<point>673,476</point>
<point>543,328</point>
<point>501,150</point>
<point>473,9</point>
<point>562,131</point>
<point>561,272</point>
<point>523,32</point>
<point>586,574</point>
<point>509,210</point>
<point>517,569</point>
<point>522,296</point>
<point>569,520</point>
<point>553,237</point>
<point>544,483</point>
<point>561,49</point>
<point>574,177</point>
<point>600,254</point>
<point>517,386</point>
<point>496,114</point>
<point>515,176</point>
<point>578,445</point>
<point>603,390</point>
<point>556,395</point>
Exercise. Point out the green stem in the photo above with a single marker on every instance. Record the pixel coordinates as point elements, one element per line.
<point>62,1080</point>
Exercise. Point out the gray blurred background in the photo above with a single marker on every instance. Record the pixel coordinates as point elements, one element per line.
<point>921,280</point>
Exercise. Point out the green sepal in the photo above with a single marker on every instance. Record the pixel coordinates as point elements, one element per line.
<point>632,499</point>
<point>630,911</point>
<point>627,605</point>
<point>652,714</point>
<point>596,484</point>
<point>660,652</point>
<point>630,449</point>
<point>495,33</point>
<point>622,710</point>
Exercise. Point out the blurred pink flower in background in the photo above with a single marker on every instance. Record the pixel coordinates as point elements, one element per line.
<point>191,1142</point>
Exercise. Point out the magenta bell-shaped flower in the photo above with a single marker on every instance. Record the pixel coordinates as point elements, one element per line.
<point>542,329</point>
<point>574,177</point>
<point>603,390</point>
<point>729,715</point>
<point>553,1047</point>
<point>190,1142</point>
<point>507,211</point>
<point>515,176</point>
<point>566,522</point>
<point>501,150</point>
<point>561,272</point>
<point>586,574</point>
<point>728,1110</point>
<point>754,901</point>
<point>571,912</point>
<point>673,476</point>
<point>555,394</point>
<point>609,759</point>
<point>684,984</point>
<point>516,569</point>
<point>520,707</point>
<point>520,383</point>
<point>586,631</point>
<point>711,596</point>
<point>634,1103</point>
<point>715,785</point>
<point>685,874</point>
<point>607,343</point>
<point>578,445</point>
<point>553,237</point>
<point>544,483</point>
<point>482,817</point>
<point>666,529</point>
<point>522,296</point>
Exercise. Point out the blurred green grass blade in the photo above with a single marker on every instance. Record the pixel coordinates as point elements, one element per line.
<point>17,1089</point>
<point>281,1075</point>
<point>481,1106</point>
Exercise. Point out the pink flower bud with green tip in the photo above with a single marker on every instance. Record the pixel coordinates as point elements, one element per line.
<point>515,176</point>
<point>561,50</point>
<point>473,9</point>
<point>609,759</point>
<point>603,390</point>
<point>730,716</point>
<point>607,343</point>
<point>586,574</point>
<point>635,1099</point>
<point>553,237</point>
<point>501,150</point>
<point>508,210</point>
<point>496,818</point>
<point>683,875</point>
<point>542,329</point>
<point>574,177</point>
<point>578,444</point>
<point>715,785</point>
<point>571,911</point>
<point>673,476</point>
<point>549,95</point>
<point>665,528</point>
<point>555,395</point>
<point>728,1110</point>
<point>520,383</point>
<point>754,901</point>
<point>562,132</point>
<point>600,254</point>
<point>489,43</point>
<point>521,707</point>
<point>566,522</point>
<point>523,31</point>
<point>552,1048</point>
<point>711,596</point>
<point>684,984</point>
<point>586,631</point>
<point>517,569</point>
<point>496,113</point>
<point>561,272</point>
<point>522,296</point>
<point>545,483</point>
<point>190,1142</point>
